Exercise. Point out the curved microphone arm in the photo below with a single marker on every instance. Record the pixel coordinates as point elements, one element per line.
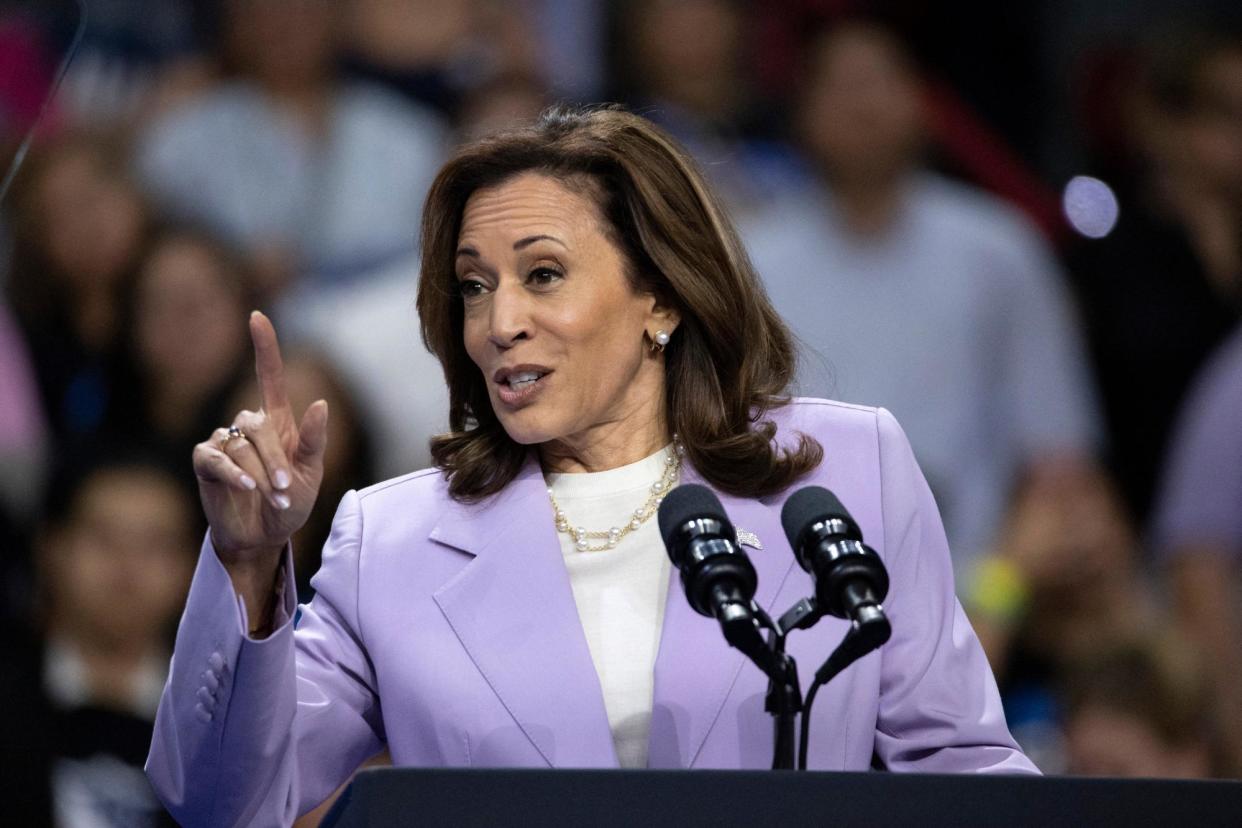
<point>869,632</point>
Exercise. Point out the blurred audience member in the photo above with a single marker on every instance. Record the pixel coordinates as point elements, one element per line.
<point>306,172</point>
<point>572,45</point>
<point>26,70</point>
<point>23,431</point>
<point>419,49</point>
<point>185,330</point>
<point>925,296</point>
<point>683,64</point>
<point>115,556</point>
<point>370,330</point>
<point>1165,287</point>
<point>439,53</point>
<point>1198,530</point>
<point>348,461</point>
<point>78,228</point>
<point>136,56</point>
<point>1065,574</point>
<point>1138,710</point>
<point>504,102</point>
<point>1064,578</point>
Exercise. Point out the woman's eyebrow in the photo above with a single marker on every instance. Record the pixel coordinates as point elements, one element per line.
<point>466,250</point>
<point>529,240</point>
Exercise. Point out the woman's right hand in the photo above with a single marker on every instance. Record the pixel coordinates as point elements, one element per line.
<point>258,488</point>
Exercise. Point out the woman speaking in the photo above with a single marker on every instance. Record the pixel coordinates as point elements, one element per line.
<point>604,339</point>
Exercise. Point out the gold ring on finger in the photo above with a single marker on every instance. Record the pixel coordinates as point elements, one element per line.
<point>233,433</point>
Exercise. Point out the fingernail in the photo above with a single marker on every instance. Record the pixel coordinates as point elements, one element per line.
<point>282,501</point>
<point>248,482</point>
<point>282,479</point>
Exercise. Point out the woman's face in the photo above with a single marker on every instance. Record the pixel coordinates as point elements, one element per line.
<point>861,115</point>
<point>551,319</point>
<point>1207,143</point>
<point>118,570</point>
<point>284,43</point>
<point>92,219</point>
<point>690,50</point>
<point>187,315</point>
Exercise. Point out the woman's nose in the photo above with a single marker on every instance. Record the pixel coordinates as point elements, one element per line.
<point>510,317</point>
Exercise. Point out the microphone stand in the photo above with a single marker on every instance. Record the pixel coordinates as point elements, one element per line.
<point>867,633</point>
<point>784,699</point>
<point>742,624</point>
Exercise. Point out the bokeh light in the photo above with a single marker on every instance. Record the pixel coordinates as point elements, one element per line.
<point>1091,206</point>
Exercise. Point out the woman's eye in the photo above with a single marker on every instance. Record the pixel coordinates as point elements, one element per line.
<point>544,275</point>
<point>470,287</point>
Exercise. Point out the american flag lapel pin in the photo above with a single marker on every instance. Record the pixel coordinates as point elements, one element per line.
<point>748,538</point>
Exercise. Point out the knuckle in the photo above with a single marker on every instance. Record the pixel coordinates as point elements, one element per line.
<point>202,453</point>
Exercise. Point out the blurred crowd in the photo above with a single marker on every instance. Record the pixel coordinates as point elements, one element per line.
<point>1066,360</point>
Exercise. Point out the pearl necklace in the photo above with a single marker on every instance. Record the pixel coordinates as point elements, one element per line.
<point>583,537</point>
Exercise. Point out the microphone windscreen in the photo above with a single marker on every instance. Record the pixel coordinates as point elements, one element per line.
<point>688,502</point>
<point>810,505</point>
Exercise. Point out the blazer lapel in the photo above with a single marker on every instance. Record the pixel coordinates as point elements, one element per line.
<point>695,668</point>
<point>513,610</point>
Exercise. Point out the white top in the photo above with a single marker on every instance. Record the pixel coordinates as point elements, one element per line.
<point>620,592</point>
<point>67,684</point>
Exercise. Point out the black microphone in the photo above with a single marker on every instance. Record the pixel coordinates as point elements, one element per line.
<point>720,583</point>
<point>850,578</point>
<point>718,577</point>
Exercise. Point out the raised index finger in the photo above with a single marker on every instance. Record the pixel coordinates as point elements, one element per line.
<point>268,366</point>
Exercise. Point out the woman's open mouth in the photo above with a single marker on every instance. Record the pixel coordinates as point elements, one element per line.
<point>519,386</point>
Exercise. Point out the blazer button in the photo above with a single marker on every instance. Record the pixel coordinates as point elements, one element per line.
<point>202,713</point>
<point>211,681</point>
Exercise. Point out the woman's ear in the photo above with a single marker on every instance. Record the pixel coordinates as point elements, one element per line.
<point>663,318</point>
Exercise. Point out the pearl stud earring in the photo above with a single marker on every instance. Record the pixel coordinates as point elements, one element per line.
<point>661,339</point>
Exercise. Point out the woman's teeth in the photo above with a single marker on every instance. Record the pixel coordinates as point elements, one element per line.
<point>519,381</point>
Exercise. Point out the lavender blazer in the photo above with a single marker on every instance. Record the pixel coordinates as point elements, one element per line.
<point>449,633</point>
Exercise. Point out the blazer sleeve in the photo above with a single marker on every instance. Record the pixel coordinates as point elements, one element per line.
<point>940,711</point>
<point>256,732</point>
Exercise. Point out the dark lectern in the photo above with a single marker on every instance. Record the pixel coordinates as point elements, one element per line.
<point>405,796</point>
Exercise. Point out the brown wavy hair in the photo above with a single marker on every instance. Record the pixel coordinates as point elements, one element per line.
<point>732,358</point>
